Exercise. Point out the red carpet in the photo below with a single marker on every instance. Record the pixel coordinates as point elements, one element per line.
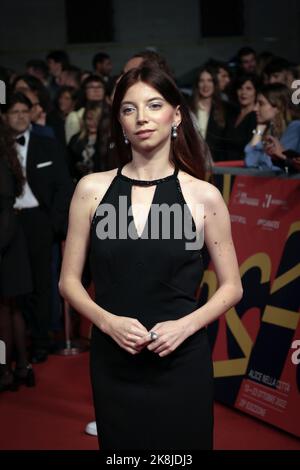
<point>54,413</point>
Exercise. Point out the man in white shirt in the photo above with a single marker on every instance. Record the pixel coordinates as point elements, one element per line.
<point>42,209</point>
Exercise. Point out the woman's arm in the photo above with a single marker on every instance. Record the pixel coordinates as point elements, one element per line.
<point>218,239</point>
<point>256,157</point>
<point>290,140</point>
<point>254,151</point>
<point>123,330</point>
<point>75,252</point>
<point>289,143</point>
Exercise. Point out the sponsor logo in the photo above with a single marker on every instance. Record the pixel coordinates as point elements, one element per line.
<point>270,201</point>
<point>238,219</point>
<point>242,198</point>
<point>269,224</point>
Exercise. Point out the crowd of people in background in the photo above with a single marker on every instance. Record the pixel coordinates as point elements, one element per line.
<point>55,128</point>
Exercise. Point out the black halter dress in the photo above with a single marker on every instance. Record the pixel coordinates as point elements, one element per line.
<point>145,401</point>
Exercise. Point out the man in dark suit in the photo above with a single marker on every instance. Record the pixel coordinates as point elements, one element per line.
<point>43,210</point>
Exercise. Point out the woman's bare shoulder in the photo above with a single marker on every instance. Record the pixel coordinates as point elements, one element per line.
<point>90,191</point>
<point>95,182</point>
<point>203,191</point>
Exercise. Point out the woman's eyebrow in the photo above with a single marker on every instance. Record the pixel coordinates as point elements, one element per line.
<point>147,101</point>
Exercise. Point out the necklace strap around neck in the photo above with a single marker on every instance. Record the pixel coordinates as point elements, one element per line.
<point>146,182</point>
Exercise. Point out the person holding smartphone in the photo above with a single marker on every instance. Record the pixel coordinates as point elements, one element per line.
<point>289,159</point>
<point>274,125</point>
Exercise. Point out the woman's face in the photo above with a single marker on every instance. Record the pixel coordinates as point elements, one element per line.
<point>94,91</point>
<point>246,94</point>
<point>91,122</point>
<point>65,103</point>
<point>206,85</point>
<point>147,118</point>
<point>223,79</point>
<point>265,112</point>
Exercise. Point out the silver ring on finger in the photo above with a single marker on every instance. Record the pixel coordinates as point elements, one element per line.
<point>153,336</point>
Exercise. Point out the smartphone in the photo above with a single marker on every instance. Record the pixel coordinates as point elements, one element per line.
<point>290,154</point>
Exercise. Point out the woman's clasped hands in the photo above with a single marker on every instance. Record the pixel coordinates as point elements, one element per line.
<point>162,339</point>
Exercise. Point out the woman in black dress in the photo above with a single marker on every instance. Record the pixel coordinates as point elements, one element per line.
<point>242,121</point>
<point>15,275</point>
<point>211,113</point>
<point>142,225</point>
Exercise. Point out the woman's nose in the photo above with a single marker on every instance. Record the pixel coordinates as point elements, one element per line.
<point>141,116</point>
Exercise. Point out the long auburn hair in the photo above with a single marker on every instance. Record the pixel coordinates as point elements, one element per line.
<point>8,153</point>
<point>278,95</point>
<point>189,151</point>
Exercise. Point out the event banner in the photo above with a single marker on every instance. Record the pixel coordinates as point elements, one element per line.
<point>256,344</point>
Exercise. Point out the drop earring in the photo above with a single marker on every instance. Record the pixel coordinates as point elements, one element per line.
<point>125,138</point>
<point>174,131</point>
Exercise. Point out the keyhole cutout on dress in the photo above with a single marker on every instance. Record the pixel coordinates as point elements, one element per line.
<point>142,198</point>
